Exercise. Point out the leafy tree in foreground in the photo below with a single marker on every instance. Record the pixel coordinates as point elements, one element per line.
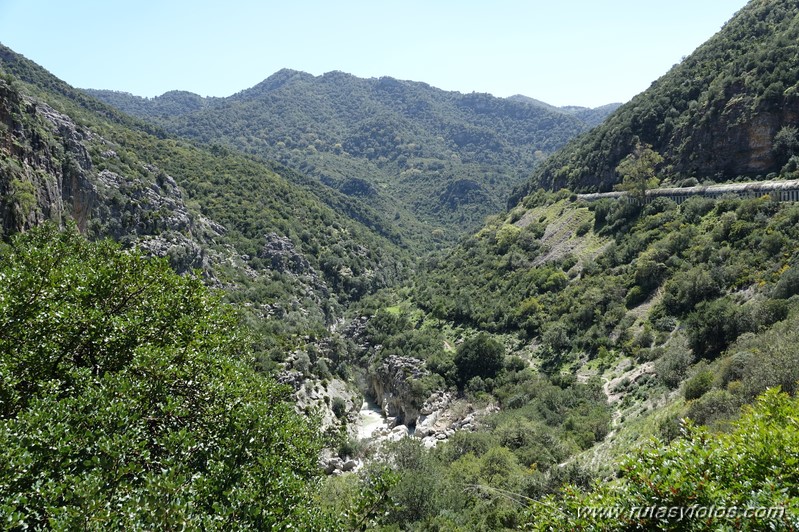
<point>747,479</point>
<point>128,402</point>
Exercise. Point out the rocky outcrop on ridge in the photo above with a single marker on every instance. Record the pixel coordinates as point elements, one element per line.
<point>54,169</point>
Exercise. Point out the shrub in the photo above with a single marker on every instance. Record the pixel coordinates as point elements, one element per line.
<point>699,384</point>
<point>350,448</point>
<point>787,285</point>
<point>753,465</point>
<point>556,337</point>
<point>671,368</point>
<point>322,369</point>
<point>339,407</point>
<point>635,297</point>
<point>686,289</point>
<point>695,207</point>
<point>584,227</point>
<point>480,356</point>
<point>714,325</point>
<point>515,363</point>
<point>770,359</point>
<point>714,406</point>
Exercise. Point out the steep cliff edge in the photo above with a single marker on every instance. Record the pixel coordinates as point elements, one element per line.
<point>391,386</point>
<point>34,186</point>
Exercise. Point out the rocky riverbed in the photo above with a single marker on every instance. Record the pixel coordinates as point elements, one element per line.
<point>370,420</point>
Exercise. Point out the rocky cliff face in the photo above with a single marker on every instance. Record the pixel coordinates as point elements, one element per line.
<point>730,109</point>
<point>333,400</point>
<point>733,140</point>
<point>392,382</point>
<point>34,187</point>
<point>735,137</point>
<point>51,168</point>
<point>391,386</point>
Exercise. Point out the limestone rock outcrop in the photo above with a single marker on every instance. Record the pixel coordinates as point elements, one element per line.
<point>52,168</point>
<point>390,385</point>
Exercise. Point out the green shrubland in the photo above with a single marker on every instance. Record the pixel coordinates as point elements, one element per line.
<point>710,320</point>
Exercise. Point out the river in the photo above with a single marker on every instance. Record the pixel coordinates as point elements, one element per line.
<point>370,419</point>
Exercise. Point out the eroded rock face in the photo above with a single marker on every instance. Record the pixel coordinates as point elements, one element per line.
<point>31,183</point>
<point>281,255</point>
<point>443,415</point>
<point>335,465</point>
<point>184,253</point>
<point>739,142</point>
<point>390,385</point>
<point>280,252</point>
<point>318,397</point>
<point>47,172</point>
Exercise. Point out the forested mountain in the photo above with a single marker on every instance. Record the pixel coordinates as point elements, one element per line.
<point>136,336</point>
<point>569,359</point>
<point>430,160</point>
<point>591,116</point>
<point>727,110</point>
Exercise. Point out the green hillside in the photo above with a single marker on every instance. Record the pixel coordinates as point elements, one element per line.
<point>65,155</point>
<point>569,364</point>
<point>592,117</point>
<point>608,324</point>
<point>428,159</point>
<point>727,110</point>
<point>606,331</point>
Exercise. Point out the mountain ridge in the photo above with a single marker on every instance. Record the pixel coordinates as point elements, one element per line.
<point>435,161</point>
<point>284,75</point>
<point>593,116</point>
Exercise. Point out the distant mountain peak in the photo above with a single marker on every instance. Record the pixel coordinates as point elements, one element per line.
<point>532,101</point>
<point>403,147</point>
<point>275,81</point>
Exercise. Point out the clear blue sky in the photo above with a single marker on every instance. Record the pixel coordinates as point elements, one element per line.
<point>564,52</point>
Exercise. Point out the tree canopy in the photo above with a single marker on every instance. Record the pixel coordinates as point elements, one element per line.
<point>127,399</point>
<point>481,356</point>
<point>637,171</point>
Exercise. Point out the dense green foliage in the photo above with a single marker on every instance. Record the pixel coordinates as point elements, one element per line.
<point>429,160</point>
<point>742,480</point>
<point>698,295</point>
<point>215,209</point>
<point>565,331</point>
<point>698,256</point>
<point>129,401</point>
<point>703,115</point>
<point>480,357</point>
